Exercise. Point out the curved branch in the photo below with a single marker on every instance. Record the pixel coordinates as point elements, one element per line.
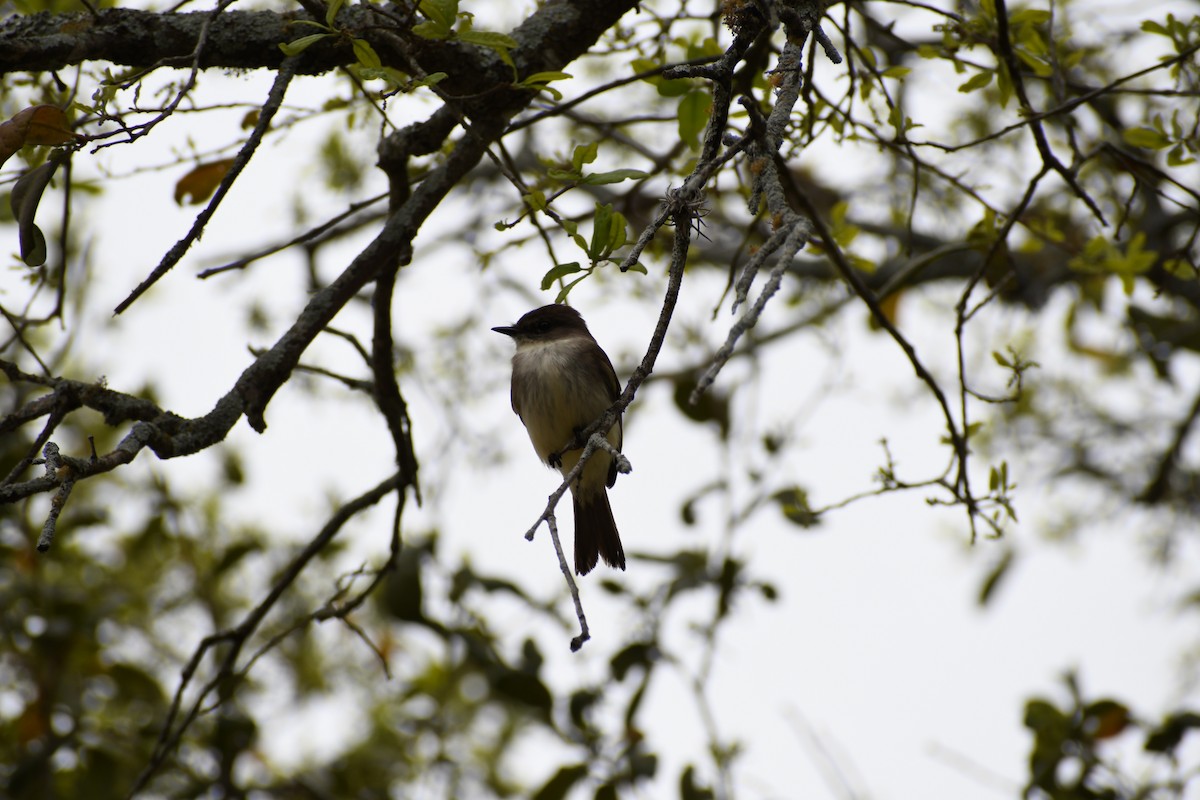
<point>173,726</point>
<point>274,100</point>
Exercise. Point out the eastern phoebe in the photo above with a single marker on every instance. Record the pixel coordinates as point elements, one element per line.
<point>561,383</point>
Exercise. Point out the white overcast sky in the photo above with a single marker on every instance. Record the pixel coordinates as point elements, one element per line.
<point>876,649</point>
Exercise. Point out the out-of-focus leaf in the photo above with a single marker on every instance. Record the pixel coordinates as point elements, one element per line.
<point>557,787</point>
<point>442,12</point>
<point>234,553</point>
<point>793,503</point>
<point>46,125</point>
<point>489,39</point>
<point>612,176</point>
<point>976,82</point>
<point>994,577</point>
<point>35,125</point>
<point>135,684</point>
<point>1147,138</point>
<point>1051,729</point>
<point>402,593</point>
<point>1104,719</point>
<point>581,702</point>
<point>524,688</point>
<point>1167,736</point>
<point>665,87</point>
<point>634,655</point>
<point>727,583</point>
<point>26,194</point>
<point>693,116</point>
<point>643,764</point>
<point>202,181</point>
<point>689,789</point>
<point>712,406</point>
<point>431,30</point>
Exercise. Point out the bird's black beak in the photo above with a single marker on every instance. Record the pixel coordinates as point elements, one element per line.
<point>507,330</point>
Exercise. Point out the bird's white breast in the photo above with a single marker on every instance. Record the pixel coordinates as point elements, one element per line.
<point>555,394</point>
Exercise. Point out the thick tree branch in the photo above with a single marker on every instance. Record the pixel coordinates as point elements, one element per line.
<point>135,38</point>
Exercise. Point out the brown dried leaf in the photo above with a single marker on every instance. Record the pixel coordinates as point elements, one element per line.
<point>201,182</point>
<point>48,125</point>
<point>43,124</point>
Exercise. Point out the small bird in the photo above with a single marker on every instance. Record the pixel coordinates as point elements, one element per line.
<point>562,381</point>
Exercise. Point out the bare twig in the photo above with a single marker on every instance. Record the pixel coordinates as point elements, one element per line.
<point>178,720</point>
<point>274,99</point>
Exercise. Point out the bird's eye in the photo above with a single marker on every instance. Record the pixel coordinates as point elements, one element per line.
<point>541,327</point>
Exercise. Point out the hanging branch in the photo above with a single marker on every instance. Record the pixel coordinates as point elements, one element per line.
<point>235,639</point>
<point>283,77</point>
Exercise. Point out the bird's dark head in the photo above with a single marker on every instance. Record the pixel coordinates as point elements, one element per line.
<point>546,324</point>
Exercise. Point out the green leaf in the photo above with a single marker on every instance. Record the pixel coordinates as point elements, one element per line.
<point>434,31</point>
<point>539,81</point>
<point>546,77</point>
<point>1029,16</point>
<point>331,13</point>
<point>794,505</point>
<point>612,176</point>
<point>523,688</point>
<point>638,654</point>
<point>561,297</point>
<point>1178,158</point>
<point>489,39</point>
<point>303,43</point>
<point>572,228</point>
<point>536,199</point>
<point>557,787</point>
<point>977,82</point>
<point>312,23</point>
<point>896,72</point>
<point>994,578</point>
<point>666,88</point>
<point>432,79</point>
<point>617,233</point>
<point>1150,26</point>
<point>584,154</point>
<point>442,13</point>
<point>564,175</point>
<point>1149,138</point>
<point>365,54</point>
<point>559,271</point>
<point>1167,736</point>
<point>689,789</point>
<point>693,116</point>
<point>596,247</point>
<point>1004,85</point>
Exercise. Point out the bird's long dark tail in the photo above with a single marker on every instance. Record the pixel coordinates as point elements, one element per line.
<point>596,534</point>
